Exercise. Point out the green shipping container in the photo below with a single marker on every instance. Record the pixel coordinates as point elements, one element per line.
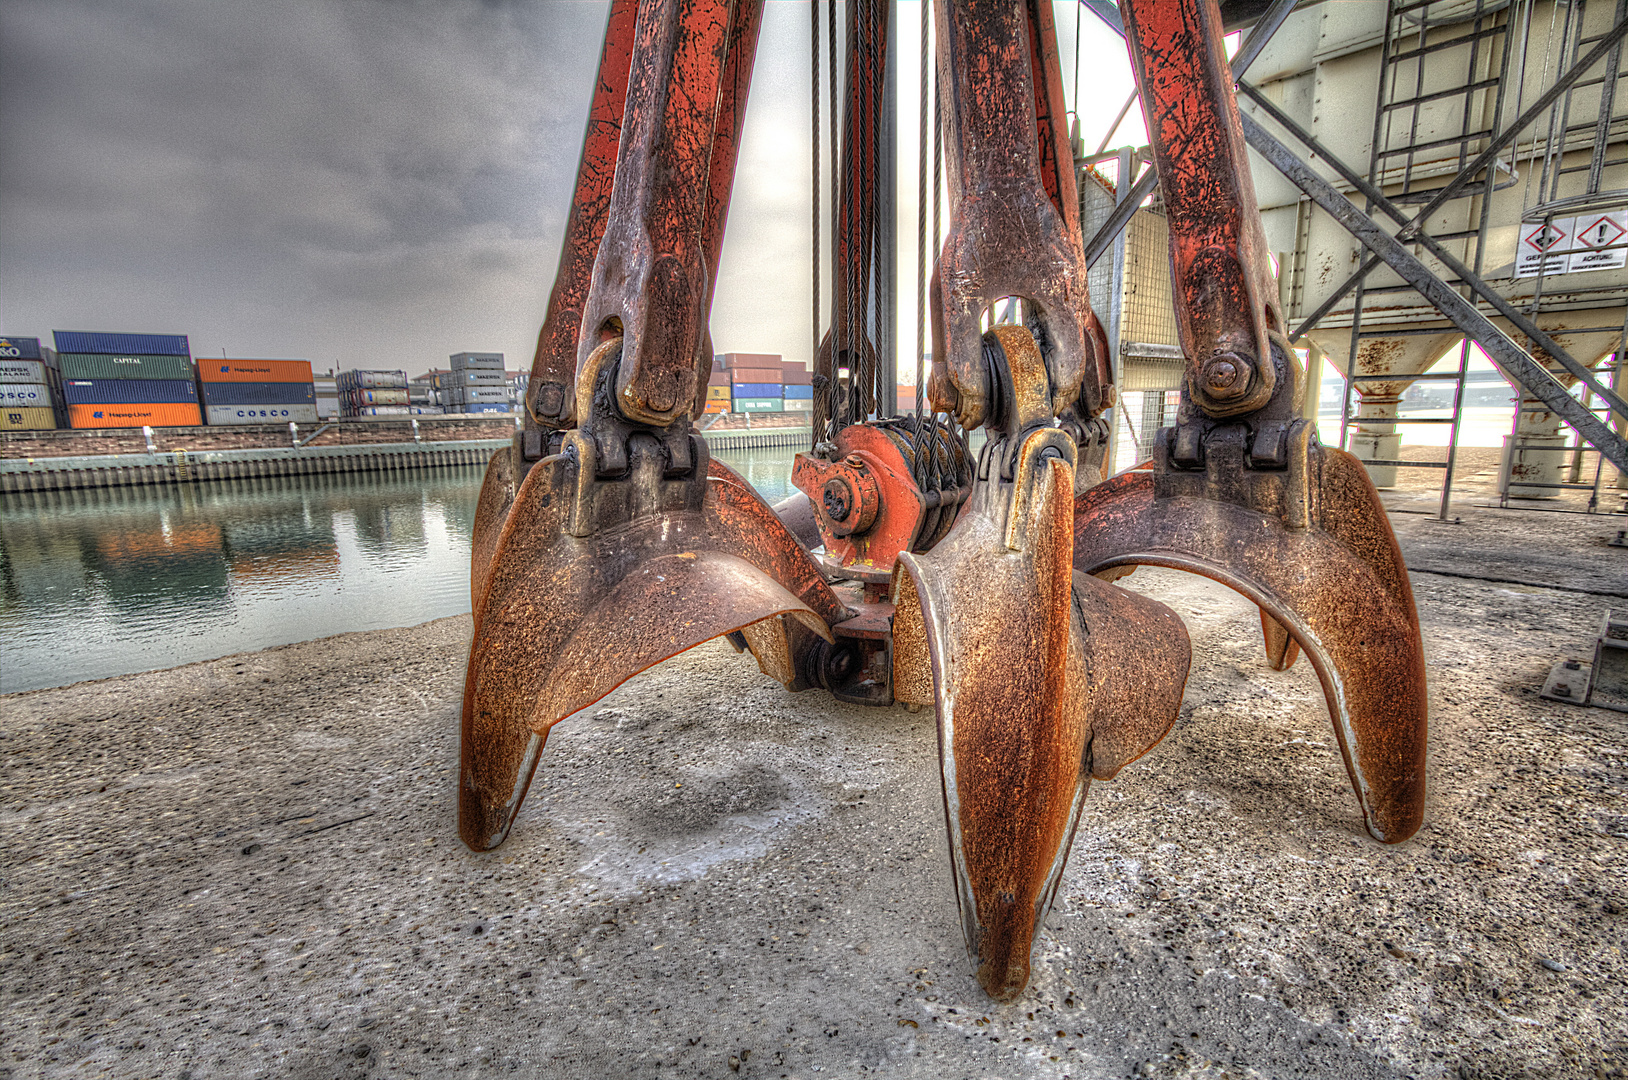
<point>129,366</point>
<point>759,404</point>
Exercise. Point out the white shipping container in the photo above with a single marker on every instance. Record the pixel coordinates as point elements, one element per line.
<point>327,407</point>
<point>477,361</point>
<point>226,415</point>
<point>384,410</point>
<point>477,377</point>
<point>22,371</point>
<point>25,395</point>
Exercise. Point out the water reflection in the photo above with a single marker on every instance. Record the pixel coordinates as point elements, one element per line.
<point>107,581</point>
<point>104,582</point>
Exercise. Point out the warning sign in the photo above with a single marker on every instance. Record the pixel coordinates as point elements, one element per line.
<point>1602,242</point>
<point>1545,248</point>
<point>1597,241</point>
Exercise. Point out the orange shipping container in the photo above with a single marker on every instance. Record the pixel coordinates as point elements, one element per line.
<point>715,405</point>
<point>279,371</point>
<point>118,416</point>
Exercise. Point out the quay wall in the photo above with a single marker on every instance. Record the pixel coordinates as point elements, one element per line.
<point>60,460</point>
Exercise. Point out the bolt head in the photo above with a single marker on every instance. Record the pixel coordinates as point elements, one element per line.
<point>1221,373</point>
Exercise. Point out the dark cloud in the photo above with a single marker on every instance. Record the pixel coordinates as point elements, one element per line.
<point>359,181</point>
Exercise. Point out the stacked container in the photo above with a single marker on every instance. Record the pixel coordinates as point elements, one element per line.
<point>127,380</point>
<point>477,383</point>
<point>327,388</point>
<point>757,382</point>
<point>717,390</point>
<point>798,393</point>
<point>27,400</point>
<point>373,393</point>
<point>257,391</point>
<point>421,395</point>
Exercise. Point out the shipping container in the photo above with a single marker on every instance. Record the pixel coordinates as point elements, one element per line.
<point>484,395</point>
<point>751,360</point>
<point>359,379</point>
<point>795,404</point>
<point>82,341</point>
<point>28,418</point>
<point>377,397</point>
<point>124,366</point>
<point>487,407</point>
<point>129,391</point>
<point>382,410</point>
<point>25,395</point>
<point>426,410</point>
<point>327,406</point>
<point>262,393</point>
<point>716,406</point>
<point>20,348</point>
<point>795,373</point>
<point>751,390</point>
<point>23,371</point>
<point>717,393</point>
<point>489,361</point>
<point>718,378</point>
<point>755,375</point>
<point>475,377</point>
<point>120,415</point>
<point>227,415</point>
<point>254,371</point>
<point>758,405</point>
<point>792,390</point>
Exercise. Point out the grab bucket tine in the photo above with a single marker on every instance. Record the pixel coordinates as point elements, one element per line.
<point>1281,649</point>
<point>567,619</point>
<point>1035,688</point>
<point>1329,574</point>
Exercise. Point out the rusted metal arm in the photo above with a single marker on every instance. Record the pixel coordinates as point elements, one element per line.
<point>1011,232</point>
<point>653,278</point>
<point>1224,296</point>
<point>551,393</point>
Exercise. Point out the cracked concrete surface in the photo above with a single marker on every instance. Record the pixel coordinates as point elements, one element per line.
<point>249,868</point>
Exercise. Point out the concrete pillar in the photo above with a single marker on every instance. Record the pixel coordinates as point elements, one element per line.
<point>1540,455</point>
<point>1376,435</point>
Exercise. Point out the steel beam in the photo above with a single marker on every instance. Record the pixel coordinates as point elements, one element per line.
<point>1476,283</point>
<point>1511,359</point>
<point>1487,157</point>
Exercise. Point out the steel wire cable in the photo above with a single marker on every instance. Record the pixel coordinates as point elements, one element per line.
<point>814,154</point>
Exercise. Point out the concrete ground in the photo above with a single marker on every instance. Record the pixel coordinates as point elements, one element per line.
<point>249,868</point>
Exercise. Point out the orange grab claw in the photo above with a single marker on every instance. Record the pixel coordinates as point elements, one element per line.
<point>565,619</point>
<point>1324,566</point>
<point>1041,677</point>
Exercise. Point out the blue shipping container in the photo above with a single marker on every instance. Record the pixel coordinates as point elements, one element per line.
<point>129,391</point>
<point>19,348</point>
<point>86,341</point>
<point>798,391</point>
<point>259,393</point>
<point>757,390</point>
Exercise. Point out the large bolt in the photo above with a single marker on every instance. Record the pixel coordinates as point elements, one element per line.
<point>550,398</point>
<point>1224,375</point>
<point>837,499</point>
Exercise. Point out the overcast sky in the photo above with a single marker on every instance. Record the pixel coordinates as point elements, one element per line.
<point>373,183</point>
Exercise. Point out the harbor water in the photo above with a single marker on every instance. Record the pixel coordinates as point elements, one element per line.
<point>109,581</point>
<point>103,582</point>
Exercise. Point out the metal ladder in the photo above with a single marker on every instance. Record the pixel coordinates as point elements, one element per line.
<point>1475,52</point>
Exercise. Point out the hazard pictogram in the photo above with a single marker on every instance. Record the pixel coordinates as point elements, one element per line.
<point>1601,233</point>
<point>1545,237</point>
